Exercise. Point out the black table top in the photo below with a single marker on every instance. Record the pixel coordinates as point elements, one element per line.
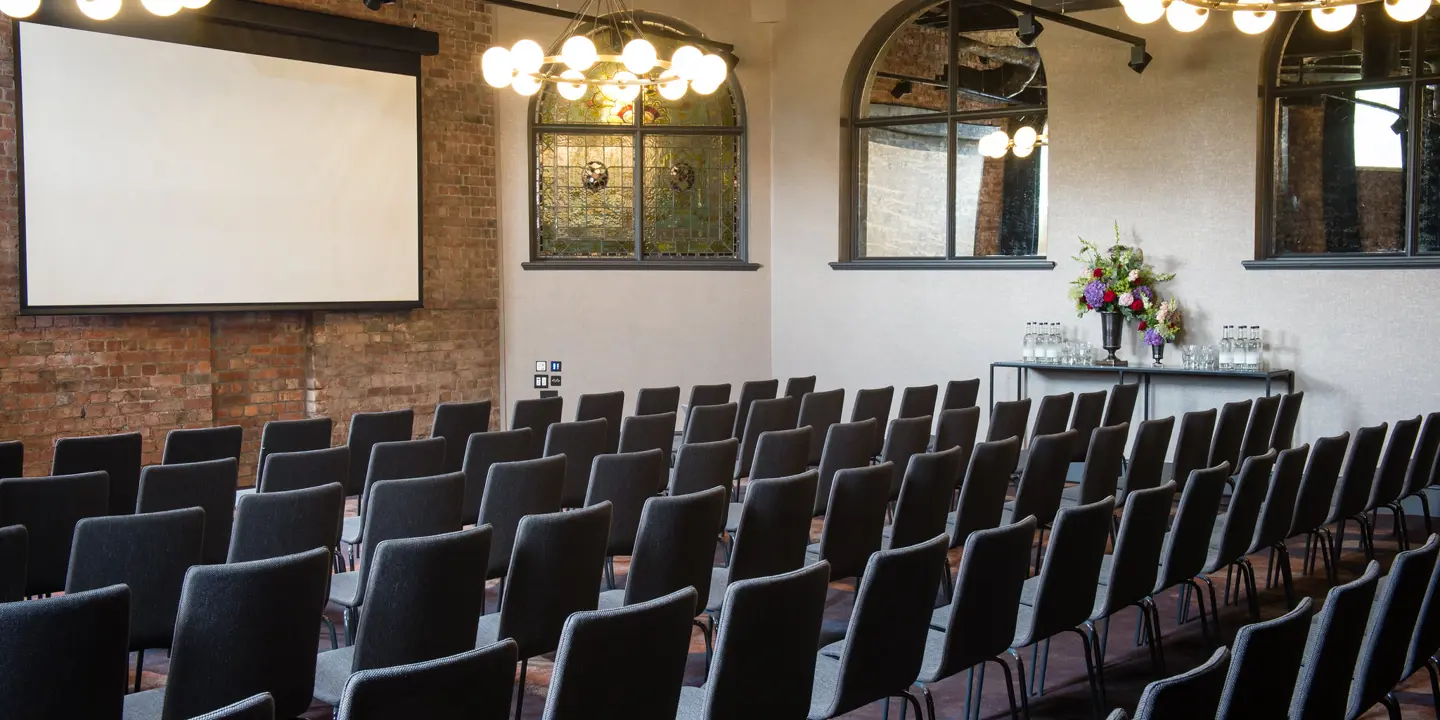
<point>1144,369</point>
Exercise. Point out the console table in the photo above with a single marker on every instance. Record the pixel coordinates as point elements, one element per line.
<point>1143,374</point>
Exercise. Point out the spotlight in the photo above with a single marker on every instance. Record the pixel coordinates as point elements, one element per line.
<point>1139,59</point>
<point>376,4</point>
<point>1400,125</point>
<point>1029,28</point>
<point>901,89</point>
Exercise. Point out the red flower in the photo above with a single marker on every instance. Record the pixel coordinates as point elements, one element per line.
<point>1142,326</point>
<point>1109,296</point>
<point>1099,272</point>
<point>1138,305</point>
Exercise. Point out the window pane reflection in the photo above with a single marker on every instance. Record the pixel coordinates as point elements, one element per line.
<point>999,202</point>
<point>910,76</point>
<point>1430,171</point>
<point>902,191</point>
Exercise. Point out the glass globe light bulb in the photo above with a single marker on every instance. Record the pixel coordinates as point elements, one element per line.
<point>527,57</point>
<point>672,86</point>
<point>497,67</point>
<point>1253,22</point>
<point>1144,11</point>
<point>573,90</point>
<point>194,4</point>
<point>712,70</point>
<point>639,56</point>
<point>99,9</point>
<point>1406,10</point>
<point>163,8</point>
<point>526,85</point>
<point>19,8</point>
<point>627,86</point>
<point>1333,19</point>
<point>1026,137</point>
<point>1185,17</point>
<point>578,53</point>
<point>686,61</point>
<point>995,144</point>
<point>1023,152</point>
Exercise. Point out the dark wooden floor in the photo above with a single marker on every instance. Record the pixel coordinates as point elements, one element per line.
<point>1066,695</point>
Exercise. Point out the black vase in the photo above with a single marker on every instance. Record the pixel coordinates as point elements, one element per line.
<point>1111,324</point>
<point>1158,353</point>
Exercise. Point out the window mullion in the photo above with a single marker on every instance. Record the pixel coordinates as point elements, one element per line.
<point>952,82</point>
<point>637,190</point>
<point>1414,142</point>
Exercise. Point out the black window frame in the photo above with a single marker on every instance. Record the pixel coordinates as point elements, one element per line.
<point>1267,256</point>
<point>853,124</point>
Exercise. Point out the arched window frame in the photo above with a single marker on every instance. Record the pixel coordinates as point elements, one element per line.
<point>853,123</point>
<point>1267,255</point>
<point>639,131</point>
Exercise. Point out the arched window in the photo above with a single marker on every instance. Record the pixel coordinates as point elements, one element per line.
<point>654,182</point>
<point>1350,144</point>
<point>929,82</point>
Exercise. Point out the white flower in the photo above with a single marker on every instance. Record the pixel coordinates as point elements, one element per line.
<point>1134,276</point>
<point>1126,300</point>
<point>1146,300</point>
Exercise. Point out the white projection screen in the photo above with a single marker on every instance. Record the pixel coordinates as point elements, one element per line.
<point>160,176</point>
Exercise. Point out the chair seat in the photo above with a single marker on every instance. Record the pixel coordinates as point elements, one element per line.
<point>344,587</point>
<point>611,599</point>
<point>350,531</point>
<point>1070,496</point>
<point>692,703</point>
<point>145,705</point>
<point>332,671</point>
<point>833,649</point>
<point>1213,561</point>
<point>719,580</point>
<point>940,618</point>
<point>487,631</point>
<point>732,517</point>
<point>827,681</point>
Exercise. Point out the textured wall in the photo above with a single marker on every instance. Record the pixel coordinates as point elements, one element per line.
<point>84,375</point>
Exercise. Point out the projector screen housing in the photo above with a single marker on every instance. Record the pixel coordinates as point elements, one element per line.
<point>241,159</point>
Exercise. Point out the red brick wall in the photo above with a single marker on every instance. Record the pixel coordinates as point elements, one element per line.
<point>62,376</point>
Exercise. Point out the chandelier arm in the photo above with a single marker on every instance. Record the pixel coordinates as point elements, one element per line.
<point>1281,6</point>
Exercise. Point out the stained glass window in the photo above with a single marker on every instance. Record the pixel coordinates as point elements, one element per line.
<point>648,179</point>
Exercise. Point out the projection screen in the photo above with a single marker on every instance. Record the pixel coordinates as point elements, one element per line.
<point>162,176</point>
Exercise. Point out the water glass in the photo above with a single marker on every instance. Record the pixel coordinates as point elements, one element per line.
<point>1188,359</point>
<point>1212,357</point>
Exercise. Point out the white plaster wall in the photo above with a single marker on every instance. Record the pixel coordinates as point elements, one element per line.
<point>624,330</point>
<point>1170,155</point>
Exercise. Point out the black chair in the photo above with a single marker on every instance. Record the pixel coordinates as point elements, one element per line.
<point>481,452</point>
<point>12,459</point>
<point>1426,642</point>
<point>819,411</point>
<point>1263,666</point>
<point>1275,516</point>
<point>924,497</point>
<point>1100,475</point>
<point>1391,629</point>
<point>610,407</point>
<point>1422,466</point>
<point>1322,689</point>
<point>118,456</point>
<point>1229,435</point>
<point>769,632</point>
<point>960,394</point>
<point>269,525</point>
<point>1187,546</point>
<point>703,395</point>
<point>750,392</point>
<point>874,404</point>
<point>1146,468</point>
<point>538,414</point>
<point>1192,445</point>
<point>366,430</point>
<point>393,460</point>
<point>1261,427</point>
<point>884,643</point>
<point>1085,418</point>
<point>626,481</point>
<point>513,491</point>
<point>413,507</point>
<point>1312,504</point>
<point>658,401</point>
<point>781,453</point>
<point>194,445</point>
<point>287,436</point>
<point>982,494</point>
<point>602,651</point>
<point>579,443</point>
<point>407,618</point>
<point>474,684</point>
<point>640,433</point>
<point>799,387</point>
<point>552,576</point>
<point>1052,414</point>
<point>1353,489</point>
<point>774,530</point>
<point>456,422</point>
<point>1008,419</point>
<point>847,445</point>
<point>1042,482</point>
<point>855,523</point>
<point>207,485</point>
<point>243,629</point>
<point>65,657</point>
<point>919,401</point>
<point>958,428</point>
<point>1127,576</point>
<point>284,471</point>
<point>150,554</point>
<point>14,549</point>
<point>255,707</point>
<point>49,508</point>
<point>983,610</point>
<point>674,549</point>
<point>709,423</point>
<point>1121,407</point>
<point>1389,484</point>
<point>766,416</point>
<point>1192,695</point>
<point>1289,415</point>
<point>701,466</point>
<point>905,438</point>
<point>1233,531</point>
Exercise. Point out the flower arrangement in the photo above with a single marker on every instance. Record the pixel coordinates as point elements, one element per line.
<point>1119,280</point>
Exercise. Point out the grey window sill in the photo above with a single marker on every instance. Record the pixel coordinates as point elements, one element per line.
<point>671,265</point>
<point>1338,262</point>
<point>968,264</point>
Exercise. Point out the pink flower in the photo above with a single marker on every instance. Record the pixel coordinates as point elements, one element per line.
<point>1134,276</point>
<point>1127,299</point>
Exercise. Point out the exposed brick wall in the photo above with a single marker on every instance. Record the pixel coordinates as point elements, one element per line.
<point>62,376</point>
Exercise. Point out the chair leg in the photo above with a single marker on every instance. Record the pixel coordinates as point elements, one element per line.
<point>1247,570</point>
<point>1214,609</point>
<point>1204,624</point>
<point>331,625</point>
<point>139,666</point>
<point>1099,660</point>
<point>929,702</point>
<point>1009,689</point>
<point>520,688</point>
<point>706,633</point>
<point>1424,510</point>
<point>1090,670</point>
<point>884,709</point>
<point>949,580</point>
<point>1392,706</point>
<point>1020,676</point>
<point>1283,555</point>
<point>1325,541</point>
<point>349,627</point>
<point>910,700</point>
<point>1155,633</point>
<point>1434,683</point>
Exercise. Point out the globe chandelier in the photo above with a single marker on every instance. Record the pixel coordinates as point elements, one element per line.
<point>1253,17</point>
<point>102,9</point>
<point>1025,142</point>
<point>525,68</point>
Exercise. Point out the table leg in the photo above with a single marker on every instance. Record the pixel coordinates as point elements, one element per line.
<point>1146,379</point>
<point>1290,382</point>
<point>1267,386</point>
<point>992,391</point>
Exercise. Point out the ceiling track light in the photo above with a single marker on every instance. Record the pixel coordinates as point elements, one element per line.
<point>1028,28</point>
